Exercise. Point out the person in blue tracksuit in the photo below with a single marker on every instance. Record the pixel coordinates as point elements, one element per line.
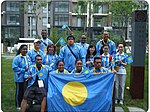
<point>79,69</point>
<point>51,56</point>
<point>67,56</point>
<point>98,69</point>
<point>91,53</point>
<point>60,68</point>
<point>84,46</point>
<point>120,64</point>
<point>44,41</point>
<point>35,51</point>
<point>20,65</point>
<point>106,41</point>
<point>37,77</point>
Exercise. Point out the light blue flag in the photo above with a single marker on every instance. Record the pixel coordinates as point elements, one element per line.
<point>129,59</point>
<point>64,26</point>
<point>61,41</point>
<point>68,92</point>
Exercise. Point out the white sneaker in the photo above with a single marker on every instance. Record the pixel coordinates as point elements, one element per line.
<point>116,101</point>
<point>18,108</point>
<point>121,102</point>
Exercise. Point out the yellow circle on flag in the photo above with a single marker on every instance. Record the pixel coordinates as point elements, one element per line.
<point>74,93</point>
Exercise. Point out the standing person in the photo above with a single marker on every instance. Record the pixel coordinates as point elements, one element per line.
<point>50,56</point>
<point>106,58</point>
<point>84,46</point>
<point>35,51</point>
<point>44,41</point>
<point>98,66</point>
<point>91,53</point>
<point>37,77</point>
<point>120,60</point>
<point>20,65</point>
<point>70,53</point>
<point>105,41</point>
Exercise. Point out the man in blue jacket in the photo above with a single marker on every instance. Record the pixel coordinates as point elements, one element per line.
<point>44,41</point>
<point>70,53</point>
<point>105,41</point>
<point>36,76</point>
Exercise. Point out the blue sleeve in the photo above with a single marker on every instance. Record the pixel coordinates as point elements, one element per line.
<point>82,56</point>
<point>61,53</point>
<point>113,48</point>
<point>15,66</point>
<point>98,47</point>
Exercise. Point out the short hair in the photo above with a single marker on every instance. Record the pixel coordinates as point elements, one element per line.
<point>78,60</point>
<point>38,56</point>
<point>59,62</point>
<point>71,36</point>
<point>105,45</point>
<point>97,58</point>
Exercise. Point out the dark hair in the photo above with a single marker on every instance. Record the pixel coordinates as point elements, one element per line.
<point>88,51</point>
<point>70,37</point>
<point>38,56</point>
<point>59,62</point>
<point>51,45</point>
<point>105,45</point>
<point>78,60</point>
<point>44,30</point>
<point>19,50</point>
<point>97,58</point>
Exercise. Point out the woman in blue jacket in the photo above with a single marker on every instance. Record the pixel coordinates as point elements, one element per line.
<point>20,65</point>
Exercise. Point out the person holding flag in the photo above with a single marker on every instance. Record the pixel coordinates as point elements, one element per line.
<point>37,77</point>
<point>120,63</point>
<point>44,41</point>
<point>20,65</point>
<point>70,53</point>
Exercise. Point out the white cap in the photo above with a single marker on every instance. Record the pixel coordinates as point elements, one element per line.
<point>37,40</point>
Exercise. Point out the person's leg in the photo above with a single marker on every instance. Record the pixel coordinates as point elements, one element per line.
<point>116,87</point>
<point>16,95</point>
<point>122,86</point>
<point>21,92</point>
<point>43,104</point>
<point>23,105</point>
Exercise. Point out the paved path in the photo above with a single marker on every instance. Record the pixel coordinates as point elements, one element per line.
<point>131,109</point>
<point>8,57</point>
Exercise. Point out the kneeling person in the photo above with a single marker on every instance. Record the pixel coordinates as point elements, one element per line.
<point>37,76</point>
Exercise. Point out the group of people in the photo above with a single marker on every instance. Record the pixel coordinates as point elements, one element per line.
<point>35,66</point>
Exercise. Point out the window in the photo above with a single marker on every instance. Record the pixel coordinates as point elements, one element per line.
<point>12,19</point>
<point>44,21</point>
<point>12,6</point>
<point>31,21</point>
<point>44,9</point>
<point>60,20</point>
<point>12,32</point>
<point>61,6</point>
<point>32,33</point>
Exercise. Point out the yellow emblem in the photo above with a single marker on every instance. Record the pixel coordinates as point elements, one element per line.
<point>41,74</point>
<point>129,59</point>
<point>22,62</point>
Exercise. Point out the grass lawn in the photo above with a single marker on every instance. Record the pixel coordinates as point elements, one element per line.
<point>8,88</point>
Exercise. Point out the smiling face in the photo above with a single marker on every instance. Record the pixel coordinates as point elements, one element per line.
<point>44,34</point>
<point>24,50</point>
<point>79,66</point>
<point>83,39</point>
<point>51,49</point>
<point>60,66</point>
<point>120,48</point>
<point>37,45</point>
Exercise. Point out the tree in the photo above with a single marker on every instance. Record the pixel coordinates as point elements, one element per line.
<point>121,14</point>
<point>35,10</point>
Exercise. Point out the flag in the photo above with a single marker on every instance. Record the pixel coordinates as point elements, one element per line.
<point>68,92</point>
<point>61,41</point>
<point>129,59</point>
<point>64,26</point>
